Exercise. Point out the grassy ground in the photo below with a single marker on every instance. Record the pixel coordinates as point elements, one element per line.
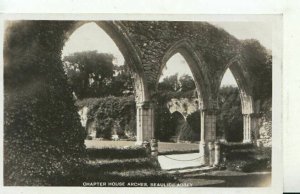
<point>125,163</point>
<point>110,165</point>
<point>163,147</point>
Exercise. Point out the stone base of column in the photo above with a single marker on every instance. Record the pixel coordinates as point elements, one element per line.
<point>247,141</point>
<point>207,153</point>
<point>145,122</point>
<point>154,147</point>
<point>217,154</point>
<point>203,153</point>
<point>138,143</point>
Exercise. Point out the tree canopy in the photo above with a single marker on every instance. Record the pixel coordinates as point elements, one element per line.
<point>173,83</point>
<point>92,74</point>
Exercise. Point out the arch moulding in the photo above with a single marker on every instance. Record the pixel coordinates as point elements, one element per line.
<point>197,67</point>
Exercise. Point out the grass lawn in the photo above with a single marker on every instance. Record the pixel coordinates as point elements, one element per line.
<point>163,147</point>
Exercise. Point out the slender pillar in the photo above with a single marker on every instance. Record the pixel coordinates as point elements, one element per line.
<point>208,135</point>
<point>247,128</point>
<point>145,122</point>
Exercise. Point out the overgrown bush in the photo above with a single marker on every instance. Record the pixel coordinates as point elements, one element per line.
<point>117,153</point>
<point>257,165</point>
<point>112,115</point>
<point>43,138</point>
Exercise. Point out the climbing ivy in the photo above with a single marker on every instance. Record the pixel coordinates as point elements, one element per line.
<point>43,138</point>
<point>112,115</point>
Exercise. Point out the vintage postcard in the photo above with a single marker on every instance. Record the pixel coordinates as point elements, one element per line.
<point>124,101</point>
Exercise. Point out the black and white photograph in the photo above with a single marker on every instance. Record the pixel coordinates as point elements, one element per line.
<point>138,103</point>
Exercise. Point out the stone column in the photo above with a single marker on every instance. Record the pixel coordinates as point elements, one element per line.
<point>247,128</point>
<point>145,122</point>
<point>208,134</point>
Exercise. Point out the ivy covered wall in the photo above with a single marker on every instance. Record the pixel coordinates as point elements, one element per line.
<point>43,138</point>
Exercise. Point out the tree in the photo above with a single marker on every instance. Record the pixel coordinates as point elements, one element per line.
<point>186,83</point>
<point>89,73</point>
<point>174,84</point>
<point>122,83</point>
<point>170,83</point>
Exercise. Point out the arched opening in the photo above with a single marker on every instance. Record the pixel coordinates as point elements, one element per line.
<point>236,106</point>
<point>230,118</point>
<point>200,120</point>
<point>191,63</point>
<point>177,99</point>
<point>106,80</point>
<point>178,89</point>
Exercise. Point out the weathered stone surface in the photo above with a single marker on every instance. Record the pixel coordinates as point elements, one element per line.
<point>185,106</point>
<point>146,47</point>
<point>265,131</point>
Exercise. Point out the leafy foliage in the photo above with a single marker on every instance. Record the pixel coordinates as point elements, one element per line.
<point>174,84</point>
<point>43,138</point>
<point>230,118</point>
<point>163,125</point>
<point>194,122</point>
<point>116,153</point>
<point>259,61</point>
<point>92,74</point>
<point>113,115</point>
<point>166,123</point>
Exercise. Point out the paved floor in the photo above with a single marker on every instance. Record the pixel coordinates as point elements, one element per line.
<point>174,161</point>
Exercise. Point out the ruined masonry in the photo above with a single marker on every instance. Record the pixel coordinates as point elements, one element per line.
<point>147,46</point>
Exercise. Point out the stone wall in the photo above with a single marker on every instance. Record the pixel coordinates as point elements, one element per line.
<point>264,136</point>
<point>185,106</point>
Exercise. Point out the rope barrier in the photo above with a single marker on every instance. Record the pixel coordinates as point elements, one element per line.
<point>183,160</point>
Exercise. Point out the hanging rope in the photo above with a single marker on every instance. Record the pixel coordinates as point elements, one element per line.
<point>182,160</point>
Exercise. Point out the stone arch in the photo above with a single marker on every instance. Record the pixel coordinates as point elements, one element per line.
<point>117,32</point>
<point>242,78</point>
<point>187,50</point>
<point>241,75</point>
<point>145,112</point>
